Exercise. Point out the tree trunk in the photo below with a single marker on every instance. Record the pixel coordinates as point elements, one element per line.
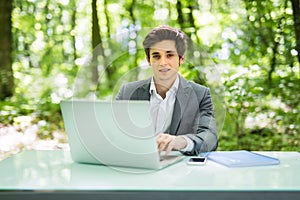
<point>109,69</point>
<point>6,73</point>
<point>106,12</point>
<point>180,18</point>
<point>275,48</point>
<point>133,20</point>
<point>296,14</point>
<point>96,40</point>
<point>73,21</point>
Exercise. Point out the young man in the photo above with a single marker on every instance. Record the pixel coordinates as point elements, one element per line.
<point>182,110</point>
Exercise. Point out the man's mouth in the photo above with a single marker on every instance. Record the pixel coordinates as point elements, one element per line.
<point>164,70</point>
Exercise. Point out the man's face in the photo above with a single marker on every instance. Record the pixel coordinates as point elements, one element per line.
<point>164,61</point>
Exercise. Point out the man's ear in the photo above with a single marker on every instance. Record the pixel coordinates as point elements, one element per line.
<point>181,60</point>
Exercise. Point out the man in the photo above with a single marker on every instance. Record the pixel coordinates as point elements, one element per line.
<point>182,110</point>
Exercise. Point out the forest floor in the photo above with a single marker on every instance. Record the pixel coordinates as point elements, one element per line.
<point>14,139</point>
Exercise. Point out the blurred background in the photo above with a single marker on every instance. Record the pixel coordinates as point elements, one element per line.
<point>246,51</point>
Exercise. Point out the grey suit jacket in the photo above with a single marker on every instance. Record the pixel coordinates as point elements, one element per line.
<point>192,116</point>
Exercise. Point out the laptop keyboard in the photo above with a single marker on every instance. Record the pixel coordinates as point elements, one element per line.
<point>168,157</point>
<point>167,160</point>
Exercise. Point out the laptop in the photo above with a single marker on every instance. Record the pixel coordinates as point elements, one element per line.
<point>113,133</point>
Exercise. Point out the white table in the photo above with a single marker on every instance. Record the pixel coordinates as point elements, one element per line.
<point>53,175</point>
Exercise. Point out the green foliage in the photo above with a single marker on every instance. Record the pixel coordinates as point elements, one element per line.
<point>243,50</point>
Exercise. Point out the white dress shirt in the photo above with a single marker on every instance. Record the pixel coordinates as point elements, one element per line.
<point>162,110</point>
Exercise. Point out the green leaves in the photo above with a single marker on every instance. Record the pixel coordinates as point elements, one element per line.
<point>245,51</point>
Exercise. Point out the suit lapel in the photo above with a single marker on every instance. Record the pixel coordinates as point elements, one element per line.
<point>142,93</point>
<point>183,93</point>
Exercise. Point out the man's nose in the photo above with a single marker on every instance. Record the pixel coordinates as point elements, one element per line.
<point>163,60</point>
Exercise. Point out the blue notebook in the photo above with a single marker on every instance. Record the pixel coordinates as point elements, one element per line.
<point>242,158</point>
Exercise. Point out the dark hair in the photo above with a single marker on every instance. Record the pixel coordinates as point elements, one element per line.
<point>164,32</point>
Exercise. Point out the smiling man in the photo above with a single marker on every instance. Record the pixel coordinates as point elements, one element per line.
<point>182,110</point>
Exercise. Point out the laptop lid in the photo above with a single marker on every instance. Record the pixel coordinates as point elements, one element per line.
<point>117,133</point>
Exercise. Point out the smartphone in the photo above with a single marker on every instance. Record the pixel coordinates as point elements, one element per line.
<point>196,161</point>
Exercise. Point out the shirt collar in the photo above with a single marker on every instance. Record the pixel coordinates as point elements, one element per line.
<point>173,88</point>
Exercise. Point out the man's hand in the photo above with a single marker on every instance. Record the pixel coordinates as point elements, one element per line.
<point>169,142</point>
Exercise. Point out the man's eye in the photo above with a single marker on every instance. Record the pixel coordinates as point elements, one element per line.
<point>156,56</point>
<point>170,55</point>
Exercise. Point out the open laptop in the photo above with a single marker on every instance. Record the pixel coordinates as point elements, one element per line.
<point>114,133</point>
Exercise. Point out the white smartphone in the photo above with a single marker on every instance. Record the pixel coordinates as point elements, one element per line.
<point>196,161</point>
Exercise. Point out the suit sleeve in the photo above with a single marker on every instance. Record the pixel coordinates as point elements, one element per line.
<point>205,139</point>
<point>120,95</point>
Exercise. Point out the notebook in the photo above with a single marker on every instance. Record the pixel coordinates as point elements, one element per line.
<point>242,158</point>
<point>114,133</point>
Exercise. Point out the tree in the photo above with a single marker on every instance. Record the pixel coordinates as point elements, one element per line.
<point>6,73</point>
<point>96,40</point>
<point>296,14</point>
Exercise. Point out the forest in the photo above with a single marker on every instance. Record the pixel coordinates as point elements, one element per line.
<point>247,52</point>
